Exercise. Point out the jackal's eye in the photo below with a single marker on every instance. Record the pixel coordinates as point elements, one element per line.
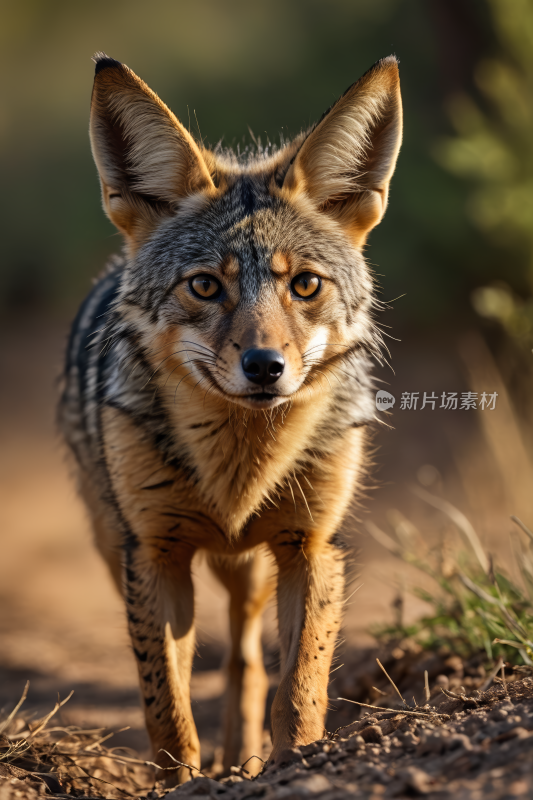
<point>306,285</point>
<point>206,287</point>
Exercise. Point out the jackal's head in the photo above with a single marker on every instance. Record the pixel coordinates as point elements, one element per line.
<point>246,274</point>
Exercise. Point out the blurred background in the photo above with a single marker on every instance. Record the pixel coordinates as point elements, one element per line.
<point>455,248</point>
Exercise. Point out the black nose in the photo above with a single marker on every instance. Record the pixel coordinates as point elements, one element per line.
<point>263,366</point>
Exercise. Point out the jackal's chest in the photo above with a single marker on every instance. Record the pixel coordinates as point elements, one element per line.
<point>246,461</point>
<point>237,471</point>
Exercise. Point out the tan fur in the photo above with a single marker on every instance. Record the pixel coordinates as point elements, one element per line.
<point>259,481</point>
<point>353,152</point>
<point>309,590</point>
<point>249,582</point>
<point>162,152</point>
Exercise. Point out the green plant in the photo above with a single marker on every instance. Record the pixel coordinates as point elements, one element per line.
<point>476,606</point>
<point>493,151</point>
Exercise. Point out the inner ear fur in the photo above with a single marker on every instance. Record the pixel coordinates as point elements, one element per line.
<point>146,159</point>
<point>346,162</point>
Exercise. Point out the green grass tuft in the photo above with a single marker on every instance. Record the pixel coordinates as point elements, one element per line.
<point>476,606</point>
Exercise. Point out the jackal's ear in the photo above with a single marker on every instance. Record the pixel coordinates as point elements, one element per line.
<point>346,162</point>
<point>147,160</point>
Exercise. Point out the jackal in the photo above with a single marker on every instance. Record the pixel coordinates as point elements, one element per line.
<point>218,390</point>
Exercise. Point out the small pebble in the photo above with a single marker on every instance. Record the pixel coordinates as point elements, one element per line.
<point>432,743</point>
<point>416,779</point>
<point>395,742</point>
<point>442,680</point>
<point>518,788</point>
<point>314,784</point>
<point>514,733</point>
<point>310,749</point>
<point>355,743</point>
<point>455,663</point>
<point>289,756</point>
<point>372,734</point>
<point>319,759</point>
<point>499,713</point>
<point>229,781</point>
<point>458,740</point>
<point>408,739</point>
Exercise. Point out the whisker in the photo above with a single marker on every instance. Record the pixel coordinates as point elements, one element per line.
<point>179,384</point>
<point>153,350</point>
<point>304,497</point>
<point>195,385</point>
<point>331,368</point>
<point>316,346</point>
<point>210,389</point>
<point>181,365</point>
<point>200,345</point>
<point>175,353</point>
<point>326,377</point>
<point>293,498</point>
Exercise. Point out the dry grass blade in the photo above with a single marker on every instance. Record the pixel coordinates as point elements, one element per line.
<point>518,645</point>
<point>453,695</point>
<point>42,723</point>
<point>397,711</point>
<point>15,750</point>
<point>459,519</point>
<point>69,761</point>
<point>477,590</point>
<point>382,538</point>
<point>100,780</point>
<point>249,759</point>
<point>523,527</point>
<point>406,533</point>
<point>491,675</point>
<point>6,723</point>
<point>105,738</point>
<point>426,685</point>
<point>181,763</point>
<point>380,665</point>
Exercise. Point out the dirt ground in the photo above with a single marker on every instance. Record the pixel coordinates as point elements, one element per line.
<point>472,743</point>
<point>61,622</point>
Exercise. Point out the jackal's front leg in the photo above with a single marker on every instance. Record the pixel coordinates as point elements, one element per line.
<point>160,606</point>
<point>310,592</point>
<point>249,584</point>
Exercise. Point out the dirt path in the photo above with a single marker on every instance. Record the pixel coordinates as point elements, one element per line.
<point>61,623</point>
<point>466,749</point>
<point>475,747</point>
